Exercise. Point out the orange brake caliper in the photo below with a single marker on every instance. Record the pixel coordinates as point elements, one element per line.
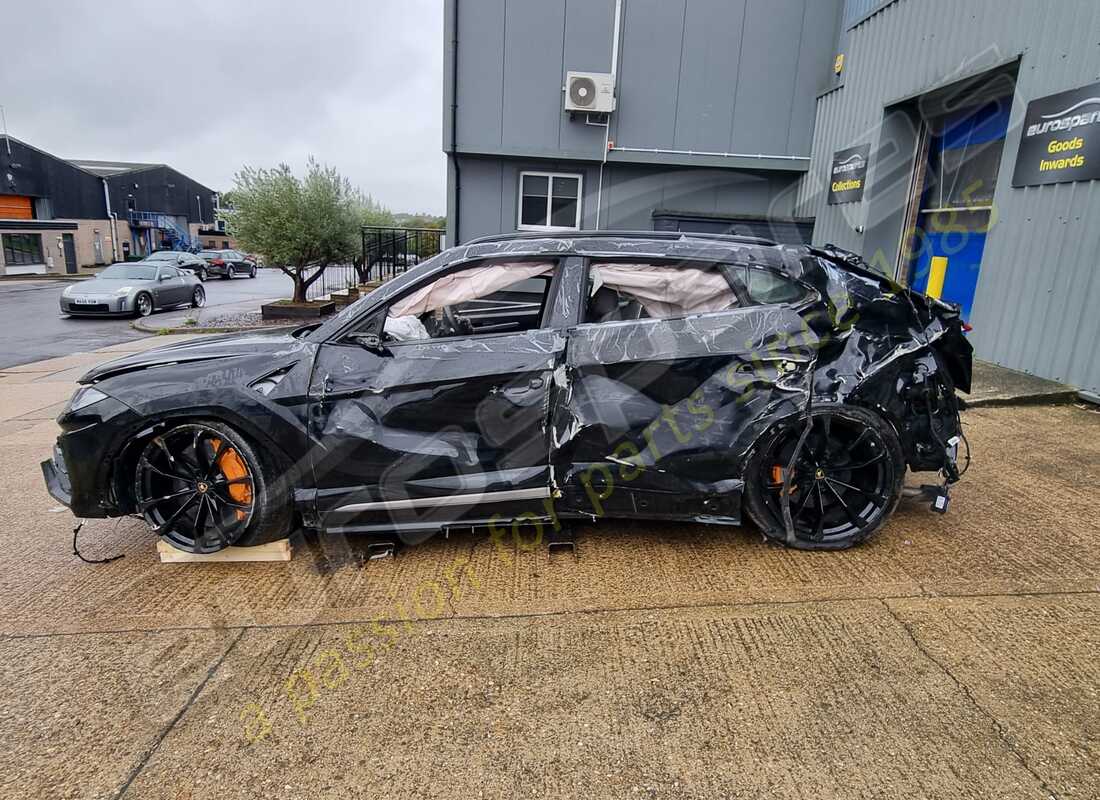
<point>232,467</point>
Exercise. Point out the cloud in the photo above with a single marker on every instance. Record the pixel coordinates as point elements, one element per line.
<point>209,86</point>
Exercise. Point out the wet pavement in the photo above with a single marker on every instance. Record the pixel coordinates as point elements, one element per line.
<point>32,326</point>
<point>952,656</point>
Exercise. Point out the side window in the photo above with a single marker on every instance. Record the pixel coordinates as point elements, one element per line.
<point>626,291</point>
<point>769,288</point>
<point>491,297</point>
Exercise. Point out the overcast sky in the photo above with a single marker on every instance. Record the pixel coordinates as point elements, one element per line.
<point>208,86</point>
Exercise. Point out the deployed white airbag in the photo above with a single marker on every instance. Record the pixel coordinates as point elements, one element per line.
<point>666,291</point>
<point>469,284</point>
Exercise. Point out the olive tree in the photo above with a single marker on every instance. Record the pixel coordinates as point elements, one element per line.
<point>300,225</point>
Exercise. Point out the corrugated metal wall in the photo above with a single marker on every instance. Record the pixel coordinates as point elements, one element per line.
<point>1037,306</point>
<point>706,75</point>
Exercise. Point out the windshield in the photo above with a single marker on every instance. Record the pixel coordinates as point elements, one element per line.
<point>129,272</point>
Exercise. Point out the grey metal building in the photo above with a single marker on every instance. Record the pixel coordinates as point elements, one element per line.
<point>938,91</point>
<point>954,143</point>
<point>712,126</point>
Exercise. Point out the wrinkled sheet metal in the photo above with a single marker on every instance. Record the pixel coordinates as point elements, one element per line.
<point>648,418</point>
<point>653,417</point>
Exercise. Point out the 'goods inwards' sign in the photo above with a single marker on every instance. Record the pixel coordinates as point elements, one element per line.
<point>1061,139</point>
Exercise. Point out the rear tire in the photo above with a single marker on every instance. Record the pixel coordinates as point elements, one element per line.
<point>844,487</point>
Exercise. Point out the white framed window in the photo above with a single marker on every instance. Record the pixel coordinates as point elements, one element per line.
<point>549,201</point>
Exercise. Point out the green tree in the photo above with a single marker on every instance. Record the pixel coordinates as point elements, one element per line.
<point>300,225</point>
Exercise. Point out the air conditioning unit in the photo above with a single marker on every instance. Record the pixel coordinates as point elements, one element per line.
<point>591,92</point>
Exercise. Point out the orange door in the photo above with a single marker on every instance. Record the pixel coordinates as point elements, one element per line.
<point>14,206</point>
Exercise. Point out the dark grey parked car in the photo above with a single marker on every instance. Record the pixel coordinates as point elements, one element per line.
<point>228,263</point>
<point>136,288</point>
<point>185,261</point>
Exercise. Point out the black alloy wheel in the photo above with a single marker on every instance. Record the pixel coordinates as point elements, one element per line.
<point>196,488</point>
<point>845,482</point>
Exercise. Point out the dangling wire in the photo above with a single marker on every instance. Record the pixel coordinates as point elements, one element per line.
<point>76,552</point>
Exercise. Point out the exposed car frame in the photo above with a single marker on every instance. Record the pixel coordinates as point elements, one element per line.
<point>762,410</point>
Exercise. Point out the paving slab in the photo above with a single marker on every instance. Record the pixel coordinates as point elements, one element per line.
<point>809,701</point>
<point>1030,664</point>
<point>148,343</point>
<point>994,385</point>
<point>21,399</point>
<point>51,365</point>
<point>951,656</point>
<point>79,715</point>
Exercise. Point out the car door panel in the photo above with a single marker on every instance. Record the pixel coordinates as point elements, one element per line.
<point>659,412</point>
<point>432,430</point>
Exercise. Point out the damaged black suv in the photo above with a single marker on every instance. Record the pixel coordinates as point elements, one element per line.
<point>536,379</point>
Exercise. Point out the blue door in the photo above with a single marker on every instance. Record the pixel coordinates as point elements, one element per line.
<point>956,210</point>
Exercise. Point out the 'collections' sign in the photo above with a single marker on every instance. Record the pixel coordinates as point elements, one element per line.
<point>848,174</point>
<point>1061,139</point>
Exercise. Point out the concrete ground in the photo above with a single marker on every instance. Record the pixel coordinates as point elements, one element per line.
<point>997,385</point>
<point>951,657</point>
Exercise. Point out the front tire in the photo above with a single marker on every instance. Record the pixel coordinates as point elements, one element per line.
<point>252,272</point>
<point>202,487</point>
<point>844,486</point>
<point>198,297</point>
<point>143,304</point>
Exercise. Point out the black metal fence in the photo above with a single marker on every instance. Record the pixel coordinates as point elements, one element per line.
<point>386,252</point>
<point>390,251</point>
<point>335,278</point>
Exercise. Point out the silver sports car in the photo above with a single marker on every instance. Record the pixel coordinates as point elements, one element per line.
<point>137,288</point>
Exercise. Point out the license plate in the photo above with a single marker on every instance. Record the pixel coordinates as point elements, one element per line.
<point>84,301</point>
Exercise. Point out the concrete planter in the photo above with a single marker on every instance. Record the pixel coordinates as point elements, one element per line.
<point>312,310</point>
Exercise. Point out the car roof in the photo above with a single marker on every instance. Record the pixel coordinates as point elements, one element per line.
<point>625,234</point>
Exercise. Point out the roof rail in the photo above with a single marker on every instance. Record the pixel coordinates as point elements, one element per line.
<point>611,234</point>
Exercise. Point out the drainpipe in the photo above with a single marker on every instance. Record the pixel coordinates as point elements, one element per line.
<point>614,93</point>
<point>454,121</point>
<point>111,215</point>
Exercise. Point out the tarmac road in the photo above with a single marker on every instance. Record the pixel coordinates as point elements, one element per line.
<point>32,327</point>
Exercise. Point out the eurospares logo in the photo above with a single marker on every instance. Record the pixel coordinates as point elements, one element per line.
<point>1061,141</point>
<point>1066,120</point>
<point>855,163</point>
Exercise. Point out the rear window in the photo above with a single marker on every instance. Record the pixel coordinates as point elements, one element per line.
<point>769,288</point>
